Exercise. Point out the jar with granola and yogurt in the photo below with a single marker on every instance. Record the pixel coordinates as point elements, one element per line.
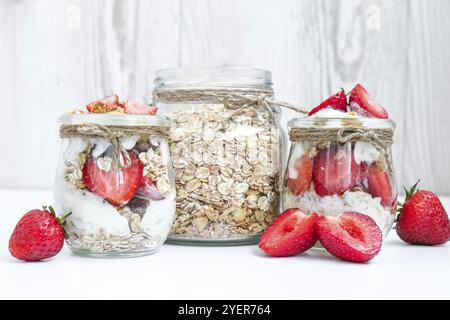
<point>342,162</point>
<point>115,177</point>
<point>225,144</point>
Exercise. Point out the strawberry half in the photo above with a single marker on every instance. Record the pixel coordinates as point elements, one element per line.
<point>351,236</point>
<point>38,235</point>
<point>335,170</point>
<point>118,185</point>
<point>139,108</point>
<point>379,185</point>
<point>362,104</point>
<point>336,102</point>
<point>291,233</point>
<point>304,167</point>
<point>422,219</point>
<point>104,105</point>
<point>148,189</point>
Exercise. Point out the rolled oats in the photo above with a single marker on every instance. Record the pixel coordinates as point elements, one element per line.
<point>226,171</point>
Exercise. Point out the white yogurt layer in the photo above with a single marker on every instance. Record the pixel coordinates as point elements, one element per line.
<point>158,219</point>
<point>365,151</point>
<point>128,143</point>
<point>72,148</point>
<point>101,144</point>
<point>334,205</point>
<point>297,151</point>
<point>90,213</point>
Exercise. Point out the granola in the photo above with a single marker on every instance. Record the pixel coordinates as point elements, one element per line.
<point>226,172</point>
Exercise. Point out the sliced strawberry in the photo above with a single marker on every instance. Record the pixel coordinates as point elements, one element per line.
<point>291,233</point>
<point>362,103</point>
<point>336,102</point>
<point>335,170</point>
<point>351,236</point>
<point>302,183</point>
<point>149,189</point>
<point>138,107</point>
<point>118,185</point>
<point>107,104</point>
<point>379,185</point>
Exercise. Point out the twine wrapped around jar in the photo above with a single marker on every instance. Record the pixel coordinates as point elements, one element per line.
<point>113,133</point>
<point>238,99</point>
<point>380,138</point>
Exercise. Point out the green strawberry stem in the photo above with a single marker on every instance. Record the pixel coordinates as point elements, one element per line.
<point>411,191</point>
<point>408,194</point>
<point>62,220</point>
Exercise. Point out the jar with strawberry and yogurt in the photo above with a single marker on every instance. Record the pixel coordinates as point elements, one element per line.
<point>340,160</point>
<point>115,177</point>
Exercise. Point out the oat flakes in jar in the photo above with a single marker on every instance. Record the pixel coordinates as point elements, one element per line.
<point>226,150</point>
<point>342,164</point>
<point>115,177</point>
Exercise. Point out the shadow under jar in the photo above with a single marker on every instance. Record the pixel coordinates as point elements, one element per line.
<point>115,177</point>
<point>225,144</point>
<point>338,165</point>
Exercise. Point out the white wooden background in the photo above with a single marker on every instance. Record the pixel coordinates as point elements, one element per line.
<point>58,55</point>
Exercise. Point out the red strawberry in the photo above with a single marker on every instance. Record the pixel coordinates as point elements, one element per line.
<point>118,185</point>
<point>423,220</point>
<point>38,235</point>
<point>379,185</point>
<point>148,189</point>
<point>335,170</point>
<point>107,104</point>
<point>302,183</point>
<point>140,108</point>
<point>291,233</point>
<point>336,102</point>
<point>361,103</point>
<point>351,236</point>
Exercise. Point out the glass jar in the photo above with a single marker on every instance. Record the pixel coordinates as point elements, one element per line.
<point>226,150</point>
<point>337,165</point>
<point>115,177</point>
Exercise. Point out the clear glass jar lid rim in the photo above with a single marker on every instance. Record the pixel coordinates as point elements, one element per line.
<point>307,122</point>
<point>212,76</point>
<point>116,119</point>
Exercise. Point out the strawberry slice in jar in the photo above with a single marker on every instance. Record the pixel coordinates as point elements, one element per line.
<point>335,170</point>
<point>379,183</point>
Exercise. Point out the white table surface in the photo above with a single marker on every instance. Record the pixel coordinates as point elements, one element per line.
<point>181,272</point>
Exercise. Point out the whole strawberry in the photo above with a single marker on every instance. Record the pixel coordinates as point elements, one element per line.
<point>422,219</point>
<point>38,235</point>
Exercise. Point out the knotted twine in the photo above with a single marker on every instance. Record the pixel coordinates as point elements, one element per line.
<point>237,99</point>
<point>113,133</point>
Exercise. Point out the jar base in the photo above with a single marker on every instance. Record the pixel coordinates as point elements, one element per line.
<point>112,255</point>
<point>202,242</point>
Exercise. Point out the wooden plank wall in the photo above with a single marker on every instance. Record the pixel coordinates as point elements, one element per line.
<point>56,55</point>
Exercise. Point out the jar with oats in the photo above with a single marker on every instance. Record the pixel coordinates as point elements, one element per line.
<point>225,144</point>
<point>116,179</point>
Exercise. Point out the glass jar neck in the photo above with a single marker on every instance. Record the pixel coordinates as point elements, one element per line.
<point>213,77</point>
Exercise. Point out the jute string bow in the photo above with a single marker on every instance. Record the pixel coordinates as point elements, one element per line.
<point>113,134</point>
<point>238,99</point>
